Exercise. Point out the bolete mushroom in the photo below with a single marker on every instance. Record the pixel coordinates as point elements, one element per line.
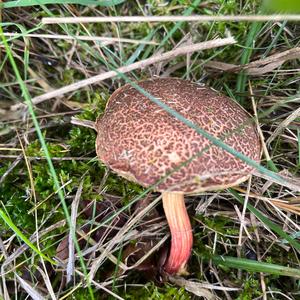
<point>143,143</point>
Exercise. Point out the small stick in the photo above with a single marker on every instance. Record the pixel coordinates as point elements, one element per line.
<point>125,69</point>
<point>84,123</point>
<point>195,18</point>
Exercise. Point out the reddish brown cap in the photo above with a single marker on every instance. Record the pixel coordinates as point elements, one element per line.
<point>143,143</point>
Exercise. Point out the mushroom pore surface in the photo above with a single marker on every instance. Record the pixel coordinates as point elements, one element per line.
<point>143,143</point>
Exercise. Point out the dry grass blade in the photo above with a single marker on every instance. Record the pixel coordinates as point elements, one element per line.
<point>74,210</point>
<point>155,248</point>
<point>199,289</point>
<point>288,207</point>
<point>32,239</point>
<point>262,139</point>
<point>283,296</point>
<point>243,226</point>
<point>105,40</point>
<point>277,57</point>
<point>102,286</point>
<point>3,293</point>
<point>195,18</point>
<point>260,66</point>
<point>125,69</point>
<point>120,236</point>
<point>84,123</point>
<point>11,167</point>
<point>295,114</point>
<point>291,183</point>
<point>283,204</point>
<point>29,289</point>
<point>103,249</point>
<point>47,283</point>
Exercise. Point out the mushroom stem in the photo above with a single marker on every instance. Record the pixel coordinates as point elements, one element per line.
<point>181,232</point>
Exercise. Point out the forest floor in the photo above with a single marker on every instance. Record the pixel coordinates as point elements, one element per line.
<point>246,239</point>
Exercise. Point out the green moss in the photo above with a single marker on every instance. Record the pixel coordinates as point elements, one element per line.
<point>218,224</point>
<point>153,292</point>
<point>35,149</point>
<point>82,141</point>
<point>16,196</point>
<point>250,290</point>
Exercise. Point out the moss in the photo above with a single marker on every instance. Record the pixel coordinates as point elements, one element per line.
<point>250,289</point>
<point>153,292</point>
<point>15,195</point>
<point>220,224</point>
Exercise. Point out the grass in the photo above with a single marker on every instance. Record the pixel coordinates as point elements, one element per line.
<point>38,185</point>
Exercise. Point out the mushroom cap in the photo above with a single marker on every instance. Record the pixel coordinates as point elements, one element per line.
<point>143,143</point>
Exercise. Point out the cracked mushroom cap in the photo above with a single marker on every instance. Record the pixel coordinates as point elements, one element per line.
<point>143,143</point>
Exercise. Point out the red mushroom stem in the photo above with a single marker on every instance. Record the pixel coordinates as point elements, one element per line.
<point>181,232</point>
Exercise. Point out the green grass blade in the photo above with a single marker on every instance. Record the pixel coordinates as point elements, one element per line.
<point>295,235</point>
<point>19,233</point>
<point>187,12</point>
<point>112,57</point>
<point>21,28</point>
<point>242,77</point>
<point>140,48</point>
<point>23,3</point>
<point>255,266</point>
<point>267,222</point>
<point>275,39</point>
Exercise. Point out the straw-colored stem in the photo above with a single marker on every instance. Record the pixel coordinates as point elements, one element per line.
<point>84,123</point>
<point>181,233</point>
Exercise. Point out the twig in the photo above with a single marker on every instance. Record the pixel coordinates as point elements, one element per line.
<point>84,123</point>
<point>125,69</point>
<point>195,18</point>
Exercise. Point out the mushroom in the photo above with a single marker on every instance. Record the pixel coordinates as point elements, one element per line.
<point>143,143</point>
